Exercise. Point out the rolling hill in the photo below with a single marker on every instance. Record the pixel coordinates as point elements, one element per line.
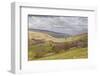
<point>52,33</point>
<point>44,37</point>
<point>71,47</point>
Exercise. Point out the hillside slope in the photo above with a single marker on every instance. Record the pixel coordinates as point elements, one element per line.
<point>44,36</point>
<point>47,37</point>
<point>44,46</point>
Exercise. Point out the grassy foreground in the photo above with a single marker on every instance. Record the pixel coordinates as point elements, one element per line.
<point>74,53</point>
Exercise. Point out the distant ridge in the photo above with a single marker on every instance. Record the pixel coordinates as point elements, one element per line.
<point>52,33</point>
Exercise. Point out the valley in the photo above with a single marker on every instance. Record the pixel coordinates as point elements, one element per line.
<point>43,45</point>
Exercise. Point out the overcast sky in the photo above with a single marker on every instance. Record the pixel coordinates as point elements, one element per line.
<point>63,24</point>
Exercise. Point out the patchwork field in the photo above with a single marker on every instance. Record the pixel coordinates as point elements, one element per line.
<point>43,46</point>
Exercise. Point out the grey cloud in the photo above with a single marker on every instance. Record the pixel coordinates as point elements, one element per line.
<point>63,24</point>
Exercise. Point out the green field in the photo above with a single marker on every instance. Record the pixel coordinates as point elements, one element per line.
<point>45,47</point>
<point>74,53</point>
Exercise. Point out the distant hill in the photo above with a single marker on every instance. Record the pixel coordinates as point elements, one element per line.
<point>52,33</point>
<point>44,37</point>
